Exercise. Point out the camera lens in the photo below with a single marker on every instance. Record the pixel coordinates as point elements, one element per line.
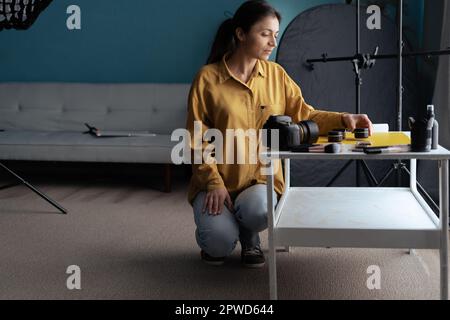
<point>309,132</point>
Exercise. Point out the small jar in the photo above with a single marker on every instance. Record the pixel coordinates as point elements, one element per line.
<point>361,133</point>
<point>342,131</point>
<point>335,136</point>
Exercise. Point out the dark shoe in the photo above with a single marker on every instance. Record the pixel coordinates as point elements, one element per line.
<point>212,260</point>
<point>253,257</point>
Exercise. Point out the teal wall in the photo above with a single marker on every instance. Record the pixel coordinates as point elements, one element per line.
<point>123,41</point>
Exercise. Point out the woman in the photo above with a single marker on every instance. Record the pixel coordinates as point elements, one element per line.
<point>239,89</point>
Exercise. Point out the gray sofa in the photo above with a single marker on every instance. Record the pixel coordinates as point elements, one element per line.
<point>45,122</point>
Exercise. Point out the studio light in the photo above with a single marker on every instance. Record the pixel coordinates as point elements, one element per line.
<point>20,14</point>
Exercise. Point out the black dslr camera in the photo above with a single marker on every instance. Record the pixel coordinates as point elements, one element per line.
<point>291,134</point>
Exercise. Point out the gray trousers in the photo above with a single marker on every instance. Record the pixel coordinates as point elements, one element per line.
<point>218,235</point>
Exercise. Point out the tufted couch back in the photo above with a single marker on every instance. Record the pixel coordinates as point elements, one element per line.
<point>159,108</point>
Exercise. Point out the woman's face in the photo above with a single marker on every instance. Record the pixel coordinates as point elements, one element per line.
<point>260,41</point>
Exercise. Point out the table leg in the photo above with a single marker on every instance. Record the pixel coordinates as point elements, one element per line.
<point>443,197</point>
<point>413,185</point>
<point>287,185</point>
<point>272,248</point>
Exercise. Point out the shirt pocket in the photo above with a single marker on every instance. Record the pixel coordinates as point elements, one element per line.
<point>269,109</point>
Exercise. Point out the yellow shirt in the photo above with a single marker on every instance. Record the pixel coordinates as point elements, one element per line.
<point>221,101</point>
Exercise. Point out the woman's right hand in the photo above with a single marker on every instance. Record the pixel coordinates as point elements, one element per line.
<point>215,200</point>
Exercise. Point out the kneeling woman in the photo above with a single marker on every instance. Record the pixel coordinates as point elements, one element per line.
<point>239,89</point>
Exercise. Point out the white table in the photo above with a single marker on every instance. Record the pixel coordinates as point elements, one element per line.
<point>357,217</point>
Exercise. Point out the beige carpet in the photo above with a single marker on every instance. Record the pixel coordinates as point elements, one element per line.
<point>132,242</point>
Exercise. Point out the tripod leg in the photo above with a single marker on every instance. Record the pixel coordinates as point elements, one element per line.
<point>358,179</point>
<point>386,176</point>
<point>35,190</point>
<point>369,175</point>
<point>424,193</point>
<point>399,174</point>
<point>358,182</point>
<point>43,196</point>
<point>339,173</point>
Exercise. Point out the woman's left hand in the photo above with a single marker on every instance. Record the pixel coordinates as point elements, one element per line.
<point>353,121</point>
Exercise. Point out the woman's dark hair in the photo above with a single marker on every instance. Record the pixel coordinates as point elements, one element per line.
<point>249,13</point>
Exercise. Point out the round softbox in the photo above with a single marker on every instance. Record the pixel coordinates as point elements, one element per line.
<point>331,30</point>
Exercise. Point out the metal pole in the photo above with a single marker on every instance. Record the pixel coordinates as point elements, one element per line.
<point>400,81</point>
<point>358,78</point>
<point>427,54</point>
<point>400,65</point>
<point>42,195</point>
<point>443,217</point>
<point>358,51</point>
<point>358,48</point>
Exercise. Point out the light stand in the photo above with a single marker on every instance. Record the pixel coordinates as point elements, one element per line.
<point>359,62</point>
<point>42,195</point>
<point>366,61</point>
<point>20,14</point>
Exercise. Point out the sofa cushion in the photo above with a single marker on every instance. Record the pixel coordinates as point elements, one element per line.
<point>159,108</point>
<point>76,146</point>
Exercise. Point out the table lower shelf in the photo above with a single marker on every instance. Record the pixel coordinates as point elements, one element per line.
<point>357,218</point>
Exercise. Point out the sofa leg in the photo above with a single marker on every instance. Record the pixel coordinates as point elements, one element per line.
<point>188,171</point>
<point>167,178</point>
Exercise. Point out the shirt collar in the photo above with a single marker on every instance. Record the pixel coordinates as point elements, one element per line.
<point>225,72</point>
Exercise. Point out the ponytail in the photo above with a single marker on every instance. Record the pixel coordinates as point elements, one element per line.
<point>223,42</point>
<point>249,13</point>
